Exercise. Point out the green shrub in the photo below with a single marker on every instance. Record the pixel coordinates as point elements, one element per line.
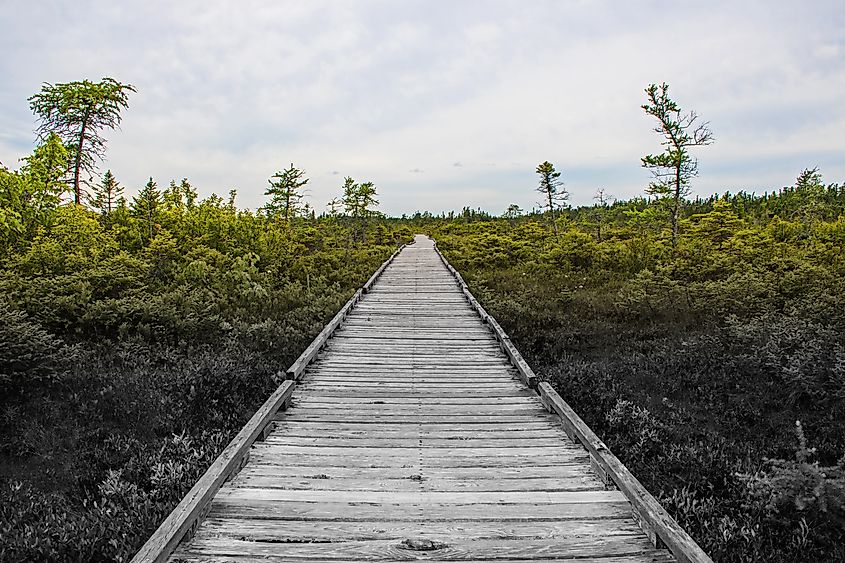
<point>29,355</point>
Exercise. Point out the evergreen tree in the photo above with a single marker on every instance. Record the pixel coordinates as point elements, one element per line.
<point>76,112</point>
<point>599,211</point>
<point>188,193</point>
<point>513,211</point>
<point>285,193</point>
<point>46,169</point>
<point>552,189</point>
<point>106,194</point>
<point>172,198</point>
<point>359,202</point>
<point>367,199</point>
<point>145,206</point>
<point>675,167</point>
<point>335,205</point>
<point>810,195</point>
<point>350,198</point>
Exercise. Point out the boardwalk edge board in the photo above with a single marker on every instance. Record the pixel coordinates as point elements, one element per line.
<point>661,529</point>
<point>187,515</point>
<point>526,374</point>
<point>295,370</point>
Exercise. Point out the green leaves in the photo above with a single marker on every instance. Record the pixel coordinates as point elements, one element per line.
<point>285,193</point>
<point>675,167</point>
<point>76,112</point>
<point>359,199</point>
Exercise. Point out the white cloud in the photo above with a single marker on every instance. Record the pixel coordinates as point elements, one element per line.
<point>473,93</point>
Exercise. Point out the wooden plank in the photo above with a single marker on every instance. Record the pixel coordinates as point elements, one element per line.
<point>421,498</point>
<point>363,512</point>
<point>434,410</point>
<point>387,452</point>
<point>412,432</point>
<point>432,393</point>
<point>453,550</point>
<point>411,400</point>
<point>185,517</point>
<point>656,557</point>
<point>416,442</point>
<point>654,518</point>
<point>409,418</point>
<point>446,428</point>
<point>327,530</point>
<point>289,469</point>
<point>579,479</point>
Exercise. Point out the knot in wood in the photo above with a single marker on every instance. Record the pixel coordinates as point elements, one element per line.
<point>421,544</point>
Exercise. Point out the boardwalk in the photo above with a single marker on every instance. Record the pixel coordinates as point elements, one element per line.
<point>412,436</point>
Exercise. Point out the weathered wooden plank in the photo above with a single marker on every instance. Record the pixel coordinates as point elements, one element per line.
<point>495,474</point>
<point>306,400</point>
<point>424,407</point>
<point>430,452</point>
<point>578,479</point>
<point>319,462</point>
<point>444,431</point>
<point>413,432</point>
<point>431,393</point>
<point>409,418</point>
<point>420,498</point>
<point>362,512</point>
<point>184,518</point>
<point>455,550</point>
<point>500,441</point>
<point>315,530</point>
<point>656,557</point>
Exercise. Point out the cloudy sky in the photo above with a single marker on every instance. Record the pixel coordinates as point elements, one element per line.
<point>441,103</point>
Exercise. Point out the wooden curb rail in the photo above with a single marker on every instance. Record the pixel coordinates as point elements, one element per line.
<point>295,371</point>
<point>186,517</point>
<point>526,374</point>
<point>661,529</point>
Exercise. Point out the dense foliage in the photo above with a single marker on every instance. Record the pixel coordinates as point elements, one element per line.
<point>135,342</point>
<point>692,363</point>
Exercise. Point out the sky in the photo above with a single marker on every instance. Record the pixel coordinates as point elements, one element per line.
<point>441,103</point>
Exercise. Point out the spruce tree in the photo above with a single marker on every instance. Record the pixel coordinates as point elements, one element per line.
<point>145,205</point>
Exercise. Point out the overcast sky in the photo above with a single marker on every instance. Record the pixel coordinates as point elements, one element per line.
<point>441,103</point>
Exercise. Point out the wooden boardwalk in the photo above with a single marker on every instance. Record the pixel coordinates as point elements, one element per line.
<point>413,436</point>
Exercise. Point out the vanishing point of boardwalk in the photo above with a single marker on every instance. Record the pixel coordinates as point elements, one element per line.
<point>411,435</point>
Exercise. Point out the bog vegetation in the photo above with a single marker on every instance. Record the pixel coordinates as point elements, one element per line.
<point>703,340</point>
